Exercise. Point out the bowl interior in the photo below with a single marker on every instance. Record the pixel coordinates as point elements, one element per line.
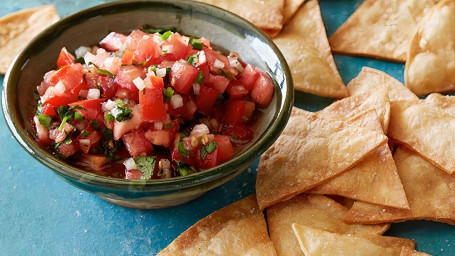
<point>88,27</point>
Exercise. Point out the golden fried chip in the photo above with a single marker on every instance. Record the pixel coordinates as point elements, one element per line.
<point>429,190</point>
<point>265,14</point>
<point>370,79</point>
<point>290,7</point>
<point>19,28</point>
<point>431,63</point>
<point>447,103</point>
<point>424,129</point>
<point>237,229</point>
<point>304,44</point>
<point>380,29</point>
<point>316,242</point>
<point>406,251</point>
<point>354,105</point>
<point>309,151</point>
<point>314,211</point>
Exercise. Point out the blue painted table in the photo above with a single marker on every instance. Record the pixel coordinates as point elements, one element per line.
<point>42,215</point>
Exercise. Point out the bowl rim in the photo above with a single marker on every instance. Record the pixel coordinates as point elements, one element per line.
<point>225,169</point>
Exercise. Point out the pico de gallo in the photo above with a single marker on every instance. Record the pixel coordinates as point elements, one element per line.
<point>149,105</point>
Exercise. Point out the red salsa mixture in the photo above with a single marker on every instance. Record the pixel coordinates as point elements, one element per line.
<point>149,105</point>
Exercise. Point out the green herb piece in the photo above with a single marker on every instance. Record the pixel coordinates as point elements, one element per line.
<point>168,125</point>
<point>165,35</point>
<point>192,59</point>
<point>199,78</point>
<point>153,68</point>
<point>184,169</point>
<point>121,112</point>
<point>68,140</point>
<point>168,70</point>
<point>45,120</point>
<point>182,150</point>
<point>109,118</point>
<point>168,93</point>
<point>80,60</point>
<point>165,51</point>
<point>150,30</point>
<point>104,72</point>
<point>146,164</point>
<point>65,119</point>
<point>84,133</point>
<point>62,111</point>
<point>207,149</point>
<point>140,64</point>
<point>78,116</point>
<point>225,73</point>
<point>95,125</point>
<point>196,43</point>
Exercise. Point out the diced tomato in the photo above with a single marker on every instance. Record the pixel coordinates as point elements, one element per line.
<point>147,51</point>
<point>108,86</point>
<point>236,90</point>
<point>209,161</point>
<point>121,128</point>
<point>52,97</point>
<point>151,100</point>
<point>217,82</point>
<point>133,174</point>
<point>93,137</point>
<point>127,58</point>
<point>179,49</point>
<point>45,83</point>
<point>49,110</point>
<point>205,42</point>
<point>42,132</point>
<point>225,149</point>
<point>238,111</point>
<point>238,133</point>
<point>113,41</point>
<point>212,56</point>
<point>160,137</point>
<point>176,155</point>
<point>71,76</point>
<point>65,58</point>
<point>182,76</point>
<point>137,144</point>
<point>66,150</point>
<point>206,99</point>
<point>249,77</point>
<point>186,112</point>
<point>92,162</point>
<point>263,89</point>
<point>92,107</point>
<point>126,75</point>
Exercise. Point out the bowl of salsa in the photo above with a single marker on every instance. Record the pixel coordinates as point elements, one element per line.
<point>148,112</point>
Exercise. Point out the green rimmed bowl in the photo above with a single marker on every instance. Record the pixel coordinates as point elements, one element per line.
<point>88,27</point>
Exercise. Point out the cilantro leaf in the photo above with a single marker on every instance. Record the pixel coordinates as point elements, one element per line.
<point>196,43</point>
<point>104,72</point>
<point>165,35</point>
<point>45,120</point>
<point>182,150</point>
<point>168,93</point>
<point>184,169</point>
<point>199,78</point>
<point>146,164</point>
<point>207,149</point>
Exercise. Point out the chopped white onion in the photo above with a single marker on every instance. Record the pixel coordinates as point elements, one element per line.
<point>158,125</point>
<point>199,130</point>
<point>129,164</point>
<point>85,142</point>
<point>139,83</point>
<point>168,48</point>
<point>234,62</point>
<point>201,58</point>
<point>108,105</point>
<point>218,64</point>
<point>161,72</point>
<point>93,94</point>
<point>59,88</point>
<point>185,40</point>
<point>176,101</point>
<point>81,51</point>
<point>196,88</point>
<point>165,164</point>
<point>88,57</point>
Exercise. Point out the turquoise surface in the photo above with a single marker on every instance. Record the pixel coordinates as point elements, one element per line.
<point>42,215</point>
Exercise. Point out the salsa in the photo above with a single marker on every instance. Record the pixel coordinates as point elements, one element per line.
<point>149,105</point>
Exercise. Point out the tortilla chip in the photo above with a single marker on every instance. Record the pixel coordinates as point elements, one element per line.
<point>237,229</point>
<point>316,242</point>
<point>424,129</point>
<point>290,8</point>
<point>309,151</point>
<point>304,44</point>
<point>380,29</point>
<point>359,104</point>
<point>19,28</point>
<point>429,190</point>
<point>314,211</point>
<point>431,63</point>
<point>370,79</point>
<point>264,14</point>
<point>447,103</point>
<point>406,251</point>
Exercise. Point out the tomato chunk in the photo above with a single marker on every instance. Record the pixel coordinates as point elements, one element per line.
<point>160,138</point>
<point>137,144</point>
<point>249,77</point>
<point>65,58</point>
<point>263,89</point>
<point>113,41</point>
<point>206,99</point>
<point>151,100</point>
<point>92,107</point>
<point>238,111</point>
<point>239,134</point>
<point>225,150</point>
<point>183,75</point>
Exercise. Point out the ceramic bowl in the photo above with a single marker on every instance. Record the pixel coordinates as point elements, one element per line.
<point>225,30</point>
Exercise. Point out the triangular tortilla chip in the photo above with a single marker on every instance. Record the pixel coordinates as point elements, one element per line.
<point>429,190</point>
<point>446,103</point>
<point>424,129</point>
<point>314,211</point>
<point>406,251</point>
<point>380,29</point>
<point>316,242</point>
<point>370,79</point>
<point>304,44</point>
<point>430,65</point>
<point>359,104</point>
<point>265,14</point>
<point>309,151</point>
<point>19,28</point>
<point>290,7</point>
<point>237,229</point>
